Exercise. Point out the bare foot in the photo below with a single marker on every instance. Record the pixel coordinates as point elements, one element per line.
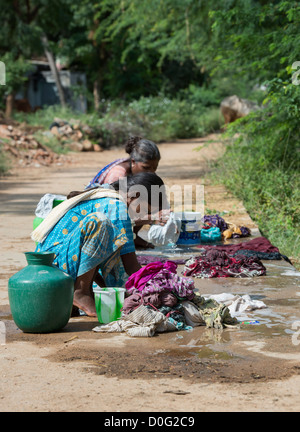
<point>85,302</point>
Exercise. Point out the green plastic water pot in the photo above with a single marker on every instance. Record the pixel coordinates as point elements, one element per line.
<point>40,295</point>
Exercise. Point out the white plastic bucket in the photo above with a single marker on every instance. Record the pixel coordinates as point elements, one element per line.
<point>109,302</point>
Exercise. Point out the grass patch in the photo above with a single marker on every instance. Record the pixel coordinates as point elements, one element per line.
<point>51,142</point>
<point>262,166</point>
<point>269,191</point>
<point>4,162</point>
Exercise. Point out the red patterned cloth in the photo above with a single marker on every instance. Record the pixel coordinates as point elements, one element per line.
<point>216,263</point>
<point>258,244</point>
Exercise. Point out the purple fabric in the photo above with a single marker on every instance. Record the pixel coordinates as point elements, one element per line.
<point>216,263</point>
<point>158,277</point>
<point>168,299</point>
<point>216,221</point>
<point>258,244</point>
<point>152,299</point>
<point>165,280</point>
<point>245,232</point>
<point>132,302</point>
<point>139,279</point>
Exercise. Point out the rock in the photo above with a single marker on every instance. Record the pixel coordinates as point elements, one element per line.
<point>78,135</point>
<point>97,148</point>
<point>75,124</point>
<point>12,150</point>
<point>4,132</point>
<point>58,122</point>
<point>87,129</point>
<point>234,107</point>
<point>34,144</point>
<point>55,131</point>
<point>87,145</point>
<point>22,144</point>
<point>74,146</point>
<point>66,129</point>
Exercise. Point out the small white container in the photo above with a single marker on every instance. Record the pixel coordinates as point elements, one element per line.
<point>109,302</point>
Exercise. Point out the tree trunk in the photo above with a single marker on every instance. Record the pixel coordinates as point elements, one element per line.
<point>9,105</point>
<point>54,70</point>
<point>96,93</point>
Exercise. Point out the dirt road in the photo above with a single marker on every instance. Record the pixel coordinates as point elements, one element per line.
<point>254,368</point>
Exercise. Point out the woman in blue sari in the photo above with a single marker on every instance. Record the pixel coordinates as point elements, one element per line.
<point>92,238</point>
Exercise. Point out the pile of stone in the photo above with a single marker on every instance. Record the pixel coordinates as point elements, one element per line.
<point>21,144</point>
<point>73,135</point>
<point>21,141</point>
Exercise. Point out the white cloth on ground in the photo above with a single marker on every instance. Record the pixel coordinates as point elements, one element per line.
<point>237,305</point>
<point>162,235</point>
<point>192,314</point>
<point>142,322</point>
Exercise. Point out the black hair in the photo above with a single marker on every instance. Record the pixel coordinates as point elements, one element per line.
<point>142,150</point>
<point>146,179</point>
<point>149,181</point>
<point>72,194</point>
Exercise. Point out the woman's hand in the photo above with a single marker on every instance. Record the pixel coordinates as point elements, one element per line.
<point>141,243</point>
<point>162,217</point>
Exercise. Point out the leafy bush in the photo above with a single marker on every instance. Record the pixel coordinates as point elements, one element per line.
<point>262,166</point>
<point>157,117</point>
<point>4,163</point>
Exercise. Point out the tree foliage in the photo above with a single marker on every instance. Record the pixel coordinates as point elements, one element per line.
<point>164,62</point>
<point>136,47</point>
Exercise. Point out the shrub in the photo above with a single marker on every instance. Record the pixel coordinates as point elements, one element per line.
<point>157,117</point>
<point>262,166</point>
<point>4,162</point>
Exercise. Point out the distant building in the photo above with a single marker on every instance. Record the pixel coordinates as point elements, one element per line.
<point>41,90</point>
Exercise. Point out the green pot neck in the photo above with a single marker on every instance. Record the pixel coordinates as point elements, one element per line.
<point>39,258</point>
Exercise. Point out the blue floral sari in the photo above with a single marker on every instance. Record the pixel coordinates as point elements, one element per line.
<point>93,233</point>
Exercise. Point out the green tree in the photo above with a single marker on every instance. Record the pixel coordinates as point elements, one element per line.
<point>30,28</point>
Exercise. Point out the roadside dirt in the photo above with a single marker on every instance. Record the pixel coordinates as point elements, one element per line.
<point>254,368</point>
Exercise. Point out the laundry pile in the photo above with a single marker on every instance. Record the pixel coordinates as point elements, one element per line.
<point>213,230</point>
<point>259,247</point>
<point>238,306</point>
<point>228,230</point>
<point>216,263</point>
<point>210,256</point>
<point>213,311</point>
<point>159,300</point>
<point>157,277</point>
